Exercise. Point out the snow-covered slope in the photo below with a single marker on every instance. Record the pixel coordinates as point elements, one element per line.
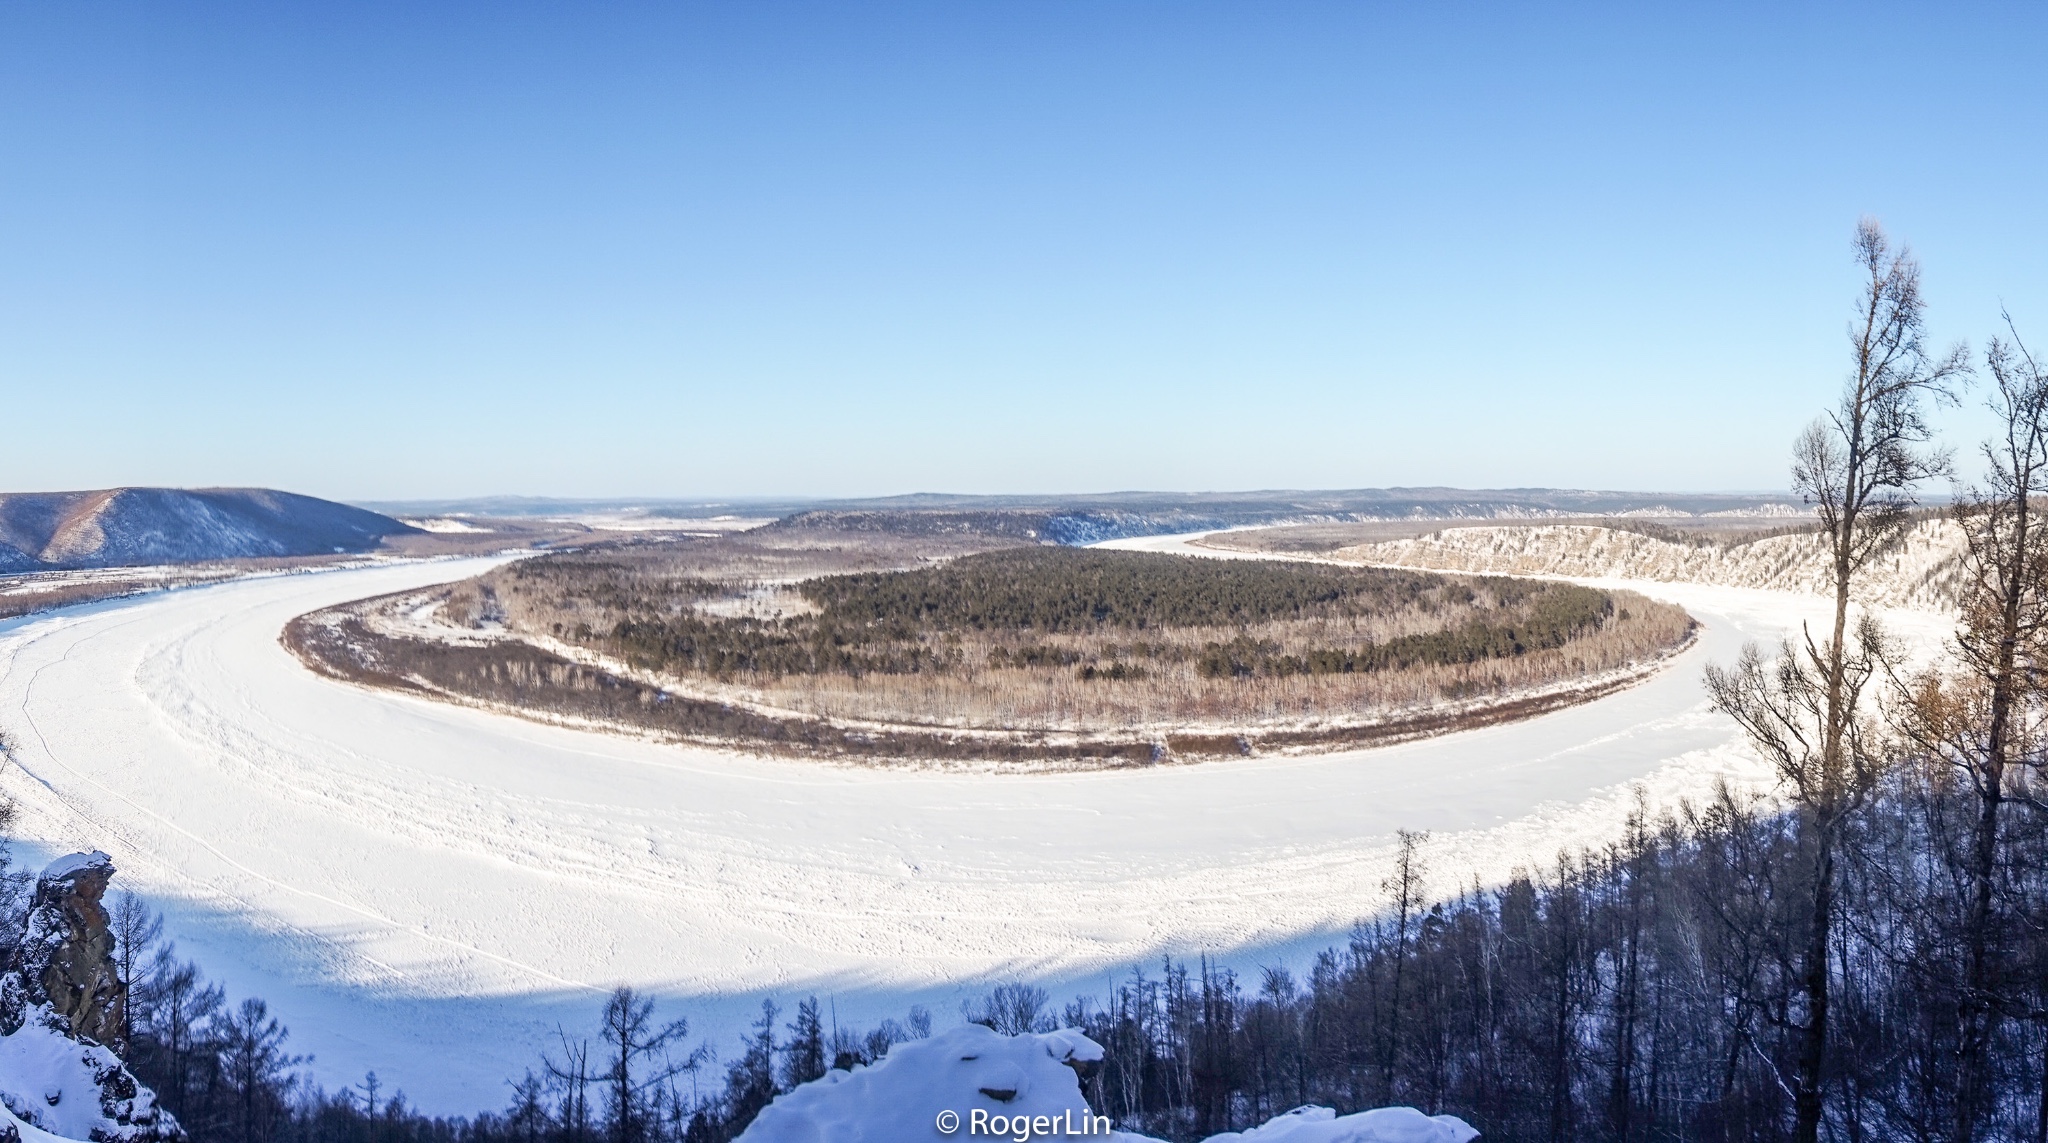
<point>1919,571</point>
<point>130,526</point>
<point>57,1085</point>
<point>972,1083</point>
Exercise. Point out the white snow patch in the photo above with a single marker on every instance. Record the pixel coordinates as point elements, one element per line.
<point>638,521</point>
<point>72,863</point>
<point>1314,1124</point>
<point>1920,571</point>
<point>441,524</point>
<point>50,1083</point>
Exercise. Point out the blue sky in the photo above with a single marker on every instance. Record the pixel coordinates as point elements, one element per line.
<point>394,250</point>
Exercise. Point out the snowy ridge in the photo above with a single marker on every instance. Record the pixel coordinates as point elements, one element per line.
<point>1921,570</point>
<point>971,1082</point>
<point>128,526</point>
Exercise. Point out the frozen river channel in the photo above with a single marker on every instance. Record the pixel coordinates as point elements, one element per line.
<point>426,890</point>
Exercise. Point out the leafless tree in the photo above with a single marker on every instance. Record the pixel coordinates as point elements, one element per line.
<point>572,1077</point>
<point>641,1061</point>
<point>1012,1009</point>
<point>1858,466</point>
<point>137,930</point>
<point>1405,887</point>
<point>1982,721</point>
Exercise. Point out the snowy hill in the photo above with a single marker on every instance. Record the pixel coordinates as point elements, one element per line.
<point>1919,570</point>
<point>129,526</point>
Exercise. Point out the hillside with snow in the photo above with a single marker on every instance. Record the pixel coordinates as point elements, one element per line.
<point>124,527</point>
<point>1919,570</point>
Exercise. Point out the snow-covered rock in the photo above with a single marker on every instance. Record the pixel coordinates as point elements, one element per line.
<point>1380,1125</point>
<point>972,1083</point>
<point>72,1089</point>
<point>971,1072</point>
<point>61,1006</point>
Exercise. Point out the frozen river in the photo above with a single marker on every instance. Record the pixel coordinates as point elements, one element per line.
<point>426,890</point>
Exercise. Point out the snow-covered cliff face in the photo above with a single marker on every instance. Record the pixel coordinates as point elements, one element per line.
<point>60,1009</point>
<point>971,1083</point>
<point>1921,570</point>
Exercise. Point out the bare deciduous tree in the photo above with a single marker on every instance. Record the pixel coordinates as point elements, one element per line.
<point>1981,721</point>
<point>1858,466</point>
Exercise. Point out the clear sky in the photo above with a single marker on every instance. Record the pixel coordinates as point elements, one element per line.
<point>386,250</point>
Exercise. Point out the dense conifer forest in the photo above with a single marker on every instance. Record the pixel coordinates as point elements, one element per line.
<point>908,622</point>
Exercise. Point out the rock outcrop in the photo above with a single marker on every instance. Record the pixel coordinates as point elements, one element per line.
<point>66,956</point>
<point>62,1008</point>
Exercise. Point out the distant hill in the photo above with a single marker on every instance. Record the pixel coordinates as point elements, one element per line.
<point>1110,516</point>
<point>121,527</point>
<point>1086,517</point>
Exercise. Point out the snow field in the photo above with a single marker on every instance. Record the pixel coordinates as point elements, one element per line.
<point>427,890</point>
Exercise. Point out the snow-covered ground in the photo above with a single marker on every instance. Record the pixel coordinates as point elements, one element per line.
<point>427,890</point>
<point>1921,570</point>
<point>970,1079</point>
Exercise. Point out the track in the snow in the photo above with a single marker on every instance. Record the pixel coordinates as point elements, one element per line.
<point>425,889</point>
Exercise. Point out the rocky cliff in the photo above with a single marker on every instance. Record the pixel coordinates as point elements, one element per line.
<point>61,1006</point>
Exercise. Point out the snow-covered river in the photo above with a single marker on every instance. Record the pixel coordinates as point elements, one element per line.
<point>425,890</point>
